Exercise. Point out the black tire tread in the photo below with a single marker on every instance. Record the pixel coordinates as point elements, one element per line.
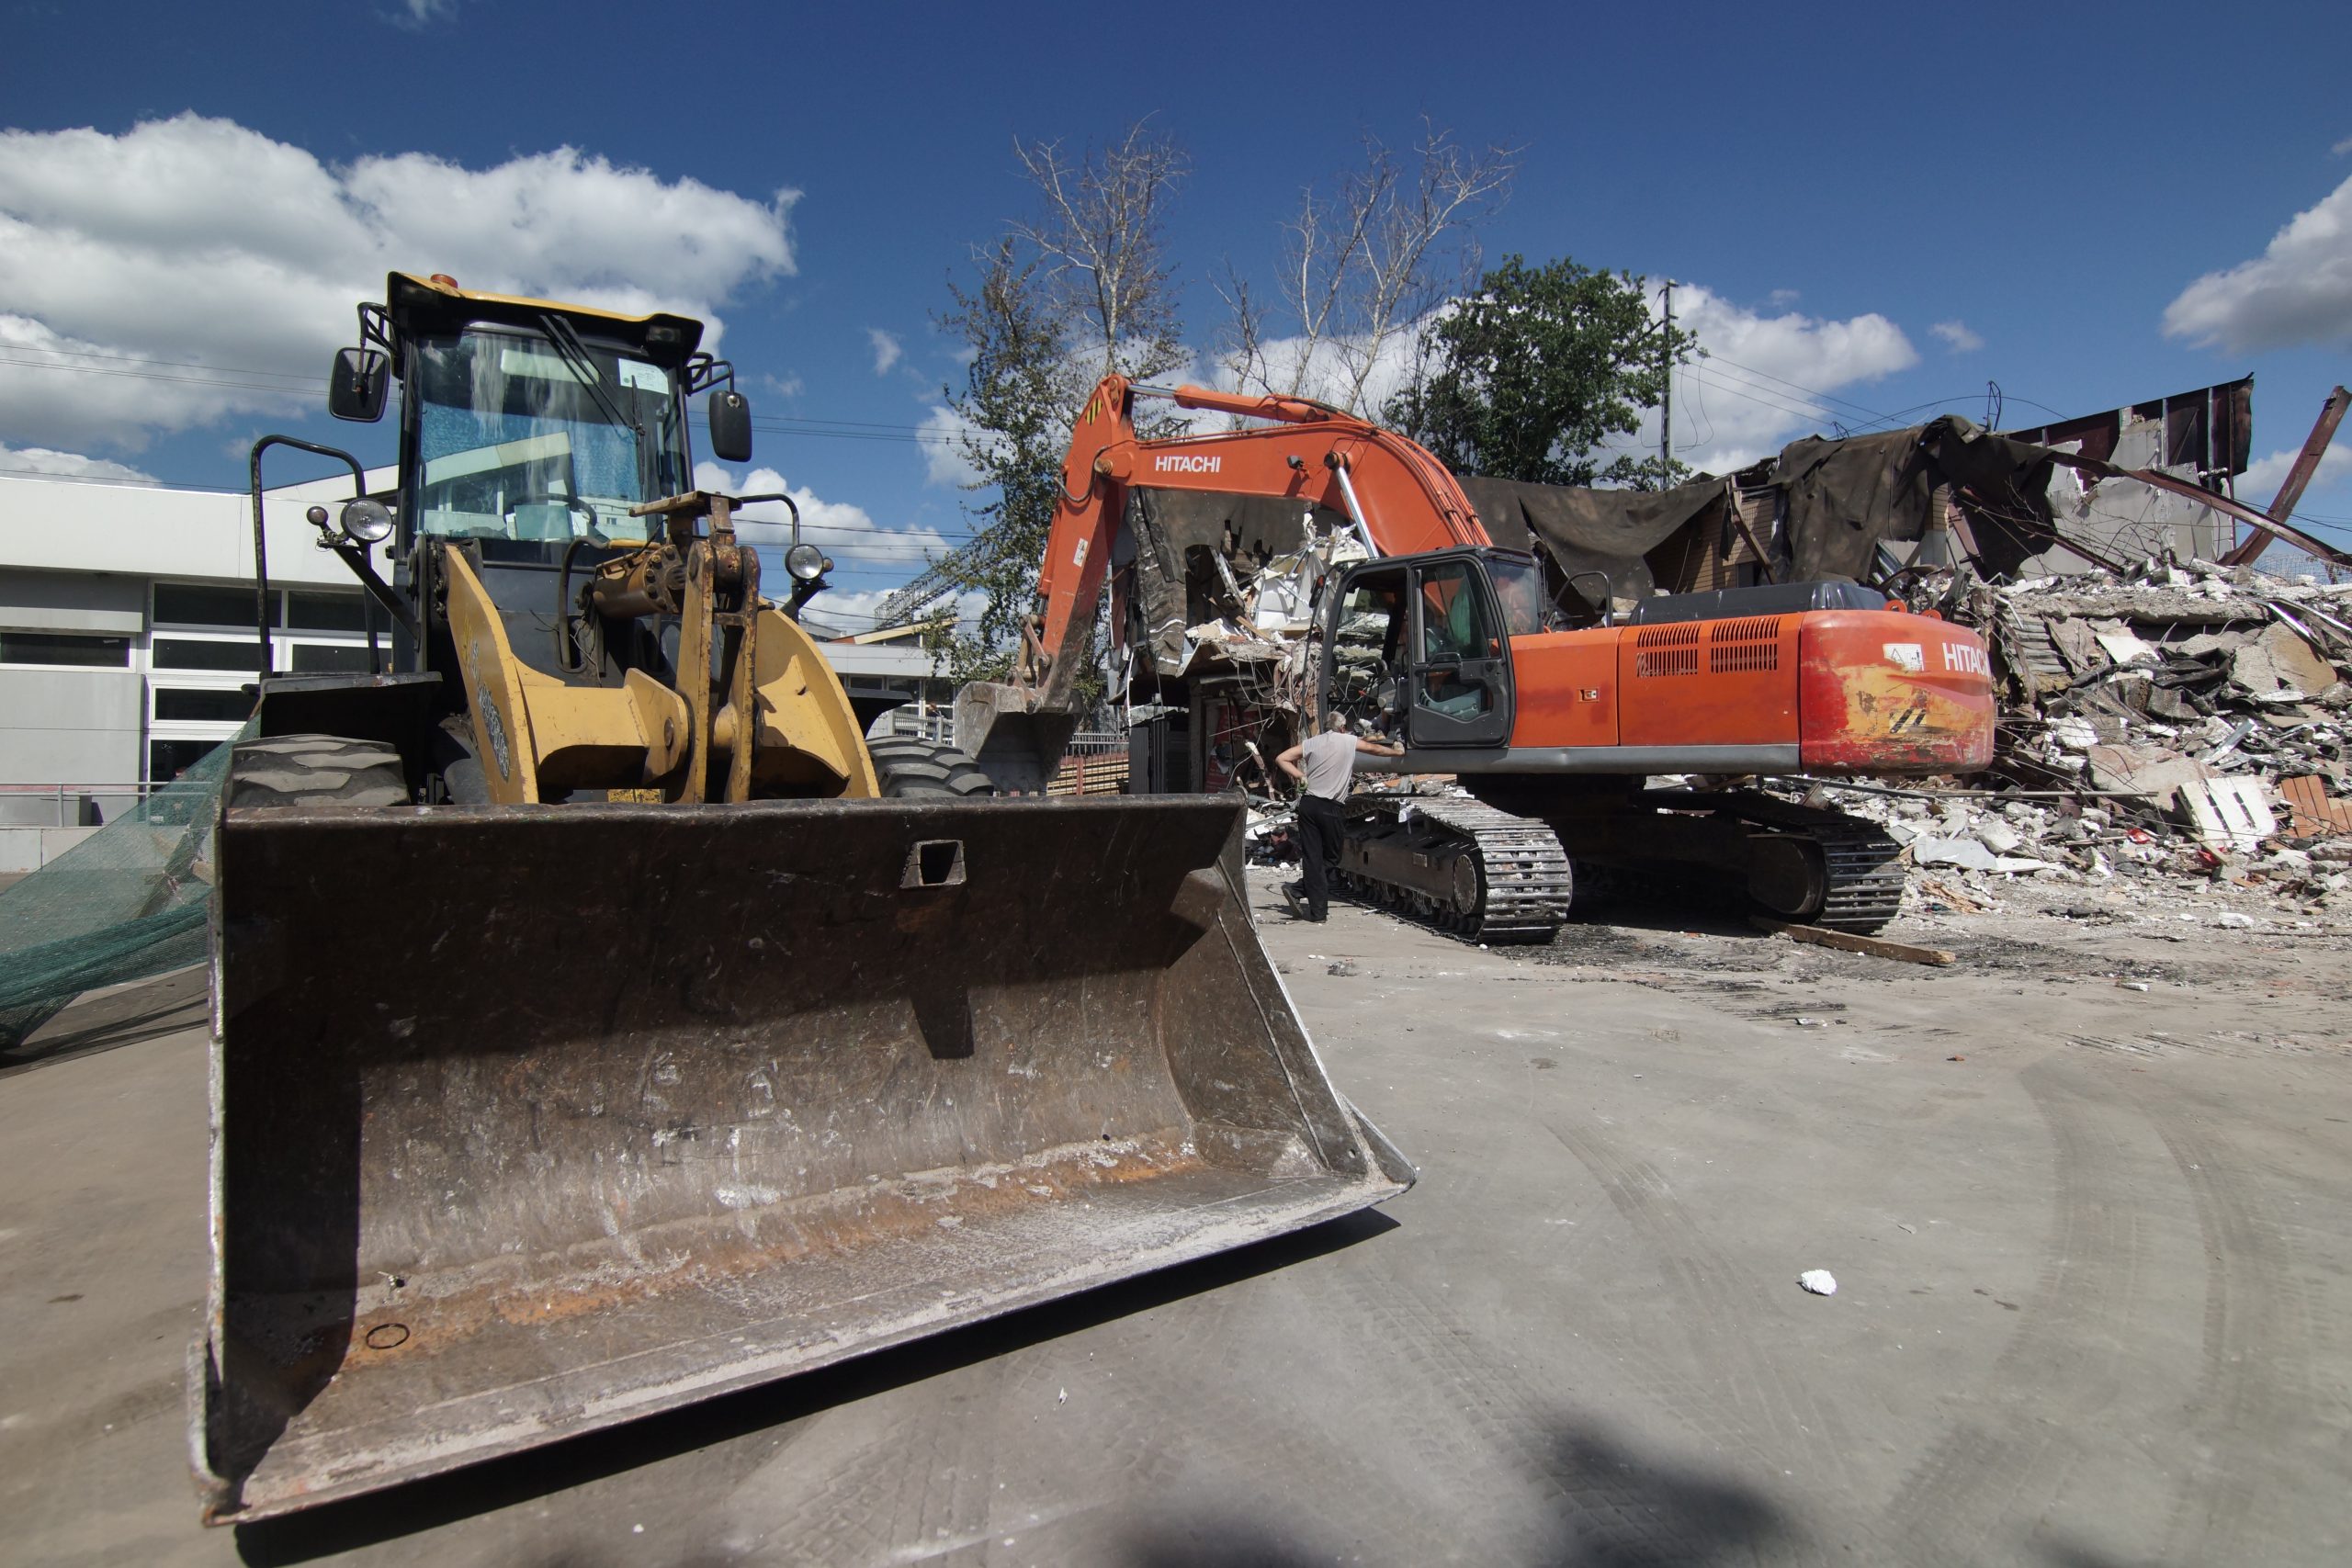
<point>911,767</point>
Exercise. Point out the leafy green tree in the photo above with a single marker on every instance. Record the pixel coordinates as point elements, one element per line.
<point>1528,377</point>
<point>1016,406</point>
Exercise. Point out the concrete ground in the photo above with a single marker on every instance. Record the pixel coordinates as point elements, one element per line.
<point>2093,1247</point>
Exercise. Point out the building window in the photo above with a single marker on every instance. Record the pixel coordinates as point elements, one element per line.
<point>189,705</point>
<point>65,648</point>
<point>324,612</point>
<point>166,760</point>
<point>189,653</point>
<point>187,604</point>
<point>327,658</point>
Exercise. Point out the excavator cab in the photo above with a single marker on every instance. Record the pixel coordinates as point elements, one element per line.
<point>1419,646</point>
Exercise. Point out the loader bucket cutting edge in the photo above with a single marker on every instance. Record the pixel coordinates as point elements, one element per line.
<point>529,1120</point>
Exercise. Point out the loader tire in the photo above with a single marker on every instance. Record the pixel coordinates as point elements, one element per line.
<point>316,769</point>
<point>911,767</point>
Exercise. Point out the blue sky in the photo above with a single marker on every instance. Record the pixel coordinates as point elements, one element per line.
<point>2043,182</point>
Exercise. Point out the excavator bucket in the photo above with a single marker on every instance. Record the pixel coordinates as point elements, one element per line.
<point>1016,739</point>
<point>530,1121</point>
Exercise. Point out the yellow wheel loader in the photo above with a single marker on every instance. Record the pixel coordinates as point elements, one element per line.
<point>601,1024</point>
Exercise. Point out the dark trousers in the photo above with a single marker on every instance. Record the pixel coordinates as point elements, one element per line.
<point>1319,851</point>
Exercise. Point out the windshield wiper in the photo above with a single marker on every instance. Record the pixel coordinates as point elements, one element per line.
<point>583,364</point>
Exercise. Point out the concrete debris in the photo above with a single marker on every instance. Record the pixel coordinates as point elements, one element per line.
<point>1965,854</point>
<point>2230,813</point>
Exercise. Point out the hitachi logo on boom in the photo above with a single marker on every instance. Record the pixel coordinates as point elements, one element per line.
<point>1185,463</point>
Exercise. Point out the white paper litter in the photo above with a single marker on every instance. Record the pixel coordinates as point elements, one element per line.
<point>1820,1281</point>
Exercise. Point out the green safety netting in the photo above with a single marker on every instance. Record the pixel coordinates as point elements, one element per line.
<point>129,901</point>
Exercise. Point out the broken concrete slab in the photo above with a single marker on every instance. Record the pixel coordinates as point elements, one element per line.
<point>2229,813</point>
<point>1965,854</point>
<point>2154,772</point>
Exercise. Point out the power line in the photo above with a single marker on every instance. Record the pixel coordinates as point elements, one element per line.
<point>287,391</point>
<point>167,363</point>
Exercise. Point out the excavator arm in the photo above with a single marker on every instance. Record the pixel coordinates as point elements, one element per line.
<point>1403,499</point>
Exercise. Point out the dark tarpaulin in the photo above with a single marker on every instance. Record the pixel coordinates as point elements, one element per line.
<point>2004,486</point>
<point>1844,497</point>
<point>1584,531</point>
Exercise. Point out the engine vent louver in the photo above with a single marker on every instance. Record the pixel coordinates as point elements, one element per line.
<point>1666,651</point>
<point>1742,648</point>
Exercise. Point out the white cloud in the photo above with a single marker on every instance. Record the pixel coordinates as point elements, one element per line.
<point>2264,475</point>
<point>2298,291</point>
<point>865,553</point>
<point>70,465</point>
<point>2342,147</point>
<point>945,461</point>
<point>1766,378</point>
<point>888,350</point>
<point>1957,338</point>
<point>235,260</point>
<point>415,14</point>
<point>1781,298</point>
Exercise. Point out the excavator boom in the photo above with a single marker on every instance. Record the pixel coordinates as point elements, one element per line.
<point>1403,499</point>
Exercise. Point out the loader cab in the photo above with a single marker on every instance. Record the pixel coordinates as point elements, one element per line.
<point>527,425</point>
<point>528,430</point>
<point>1421,645</point>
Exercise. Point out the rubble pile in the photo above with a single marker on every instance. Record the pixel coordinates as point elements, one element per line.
<point>2174,723</point>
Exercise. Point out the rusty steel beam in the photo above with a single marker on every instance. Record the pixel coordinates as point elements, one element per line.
<point>2330,414</point>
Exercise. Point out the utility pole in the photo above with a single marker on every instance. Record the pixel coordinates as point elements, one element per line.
<point>1665,407</point>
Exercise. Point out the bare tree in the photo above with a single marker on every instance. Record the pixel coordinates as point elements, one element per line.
<point>1361,266</point>
<point>1101,239</point>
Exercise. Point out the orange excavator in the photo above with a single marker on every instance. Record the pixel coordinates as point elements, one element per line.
<point>1450,644</point>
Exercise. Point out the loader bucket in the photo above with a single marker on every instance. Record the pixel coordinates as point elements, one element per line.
<point>532,1120</point>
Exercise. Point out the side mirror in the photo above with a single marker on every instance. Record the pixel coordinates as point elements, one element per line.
<point>730,426</point>
<point>355,389</point>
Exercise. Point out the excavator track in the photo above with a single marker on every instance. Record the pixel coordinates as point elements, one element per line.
<point>1467,869</point>
<point>1862,866</point>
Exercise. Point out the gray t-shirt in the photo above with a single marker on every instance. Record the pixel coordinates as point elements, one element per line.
<point>1328,760</point>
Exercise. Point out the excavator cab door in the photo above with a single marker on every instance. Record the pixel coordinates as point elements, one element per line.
<point>1458,692</point>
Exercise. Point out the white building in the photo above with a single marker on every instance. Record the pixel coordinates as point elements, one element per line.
<point>128,637</point>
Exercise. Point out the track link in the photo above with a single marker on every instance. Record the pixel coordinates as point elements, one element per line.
<point>1522,880</point>
<point>1862,864</point>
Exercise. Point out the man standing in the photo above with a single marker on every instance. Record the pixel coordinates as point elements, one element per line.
<point>1325,764</point>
